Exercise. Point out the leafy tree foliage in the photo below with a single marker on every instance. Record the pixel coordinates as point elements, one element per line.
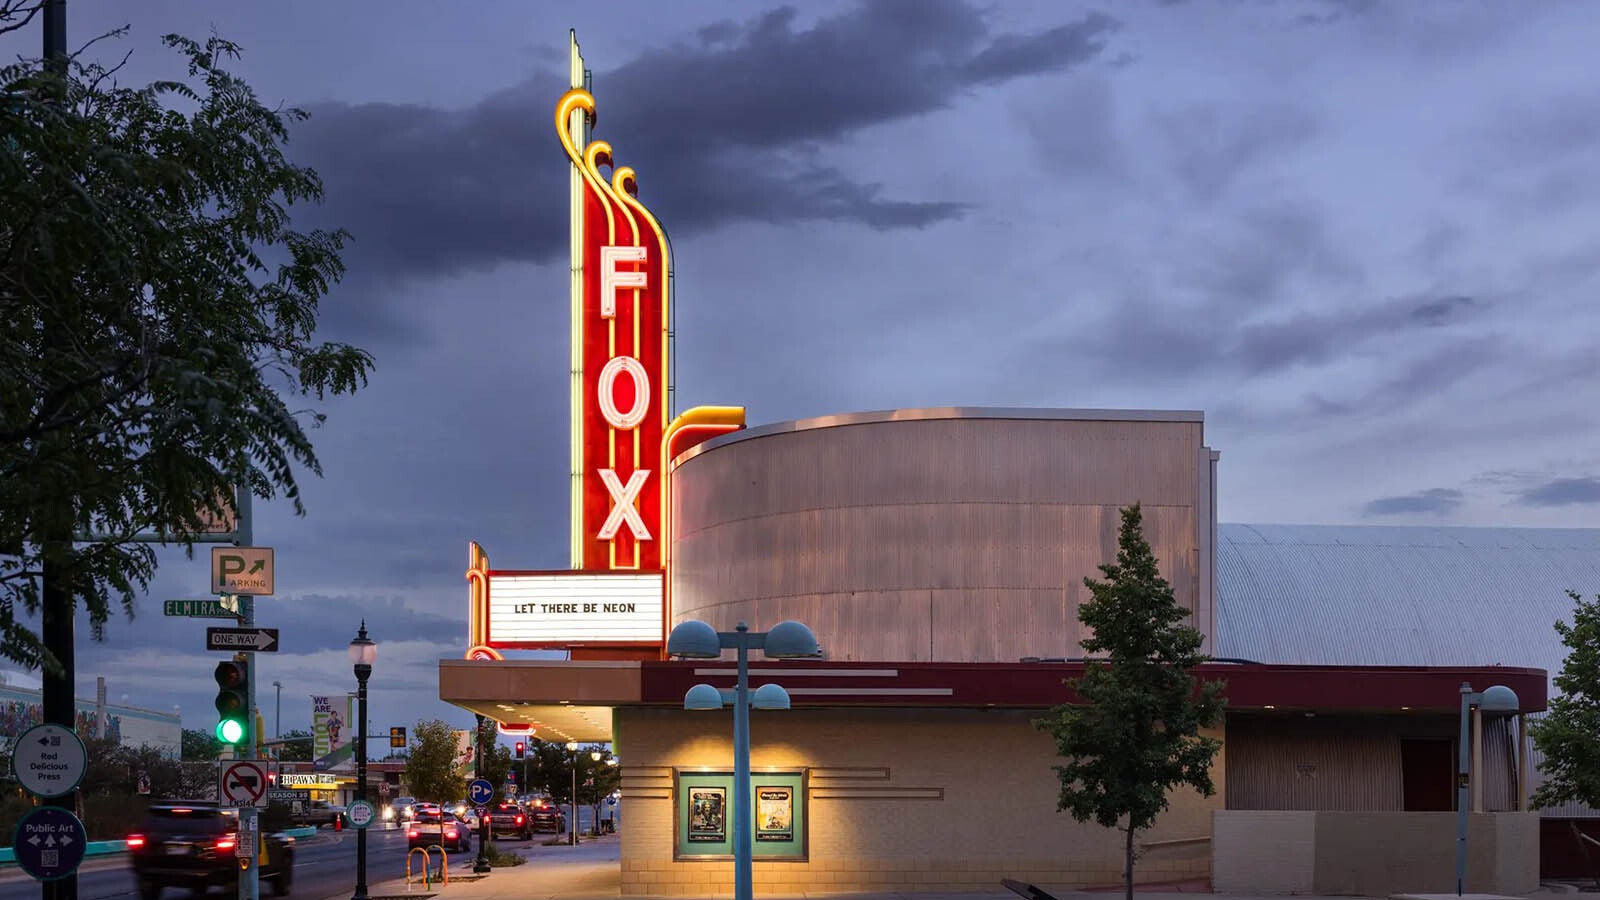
<point>1138,735</point>
<point>496,761</point>
<point>550,765</point>
<point>431,772</point>
<point>296,746</point>
<point>159,316</point>
<point>200,745</point>
<point>1568,736</point>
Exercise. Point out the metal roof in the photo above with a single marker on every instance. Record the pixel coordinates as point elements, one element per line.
<point>1391,595</point>
<point>1395,595</point>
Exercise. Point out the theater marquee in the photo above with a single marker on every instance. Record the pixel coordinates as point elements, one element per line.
<point>624,433</point>
<point>562,609</point>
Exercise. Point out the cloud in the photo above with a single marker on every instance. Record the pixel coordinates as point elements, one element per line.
<point>1434,501</point>
<point>1562,492</point>
<point>429,191</point>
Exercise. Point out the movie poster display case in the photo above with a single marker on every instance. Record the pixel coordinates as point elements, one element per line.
<point>703,812</point>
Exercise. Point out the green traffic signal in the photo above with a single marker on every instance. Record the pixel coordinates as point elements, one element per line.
<point>233,693</point>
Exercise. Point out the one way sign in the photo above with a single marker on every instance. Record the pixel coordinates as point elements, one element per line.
<point>261,640</point>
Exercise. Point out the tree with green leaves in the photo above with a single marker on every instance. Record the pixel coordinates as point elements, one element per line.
<point>1135,734</point>
<point>296,745</point>
<point>199,746</point>
<point>160,315</point>
<point>1568,736</point>
<point>431,771</point>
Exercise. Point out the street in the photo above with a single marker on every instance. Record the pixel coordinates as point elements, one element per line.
<point>324,866</point>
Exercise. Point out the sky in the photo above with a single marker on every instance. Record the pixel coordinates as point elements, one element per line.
<point>1359,236</point>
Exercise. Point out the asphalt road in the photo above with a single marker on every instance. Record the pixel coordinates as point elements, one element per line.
<point>324,866</point>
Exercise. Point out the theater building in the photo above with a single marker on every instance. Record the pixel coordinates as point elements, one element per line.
<point>939,556</point>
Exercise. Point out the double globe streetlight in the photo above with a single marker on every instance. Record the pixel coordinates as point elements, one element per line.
<point>1499,700</point>
<point>697,640</point>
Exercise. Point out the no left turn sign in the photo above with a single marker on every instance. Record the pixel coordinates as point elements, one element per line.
<point>243,784</point>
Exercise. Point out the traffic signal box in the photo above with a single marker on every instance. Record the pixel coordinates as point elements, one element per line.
<point>397,737</point>
<point>522,748</point>
<point>233,703</point>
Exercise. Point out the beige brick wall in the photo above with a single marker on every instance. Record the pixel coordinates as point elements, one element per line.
<point>1371,853</point>
<point>900,799</point>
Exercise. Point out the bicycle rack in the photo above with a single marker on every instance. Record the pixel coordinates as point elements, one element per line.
<point>426,883</point>
<point>444,864</point>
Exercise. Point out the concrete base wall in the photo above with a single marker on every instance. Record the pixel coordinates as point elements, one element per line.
<point>899,800</point>
<point>1371,853</point>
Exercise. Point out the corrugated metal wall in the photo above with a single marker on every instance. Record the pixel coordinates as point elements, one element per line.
<point>953,539</point>
<point>1291,761</point>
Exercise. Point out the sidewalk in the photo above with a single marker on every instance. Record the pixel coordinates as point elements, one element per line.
<point>591,871</point>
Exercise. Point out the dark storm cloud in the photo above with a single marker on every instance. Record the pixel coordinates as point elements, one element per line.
<point>1435,501</point>
<point>726,129</point>
<point>1562,492</point>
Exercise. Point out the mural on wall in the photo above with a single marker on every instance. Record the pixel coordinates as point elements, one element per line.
<point>17,716</point>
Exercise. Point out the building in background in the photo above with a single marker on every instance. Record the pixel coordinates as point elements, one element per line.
<point>129,726</point>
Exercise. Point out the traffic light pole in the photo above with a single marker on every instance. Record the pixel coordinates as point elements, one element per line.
<point>249,821</point>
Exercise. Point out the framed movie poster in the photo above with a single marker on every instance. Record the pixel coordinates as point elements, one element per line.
<point>708,814</point>
<point>703,813</point>
<point>774,812</point>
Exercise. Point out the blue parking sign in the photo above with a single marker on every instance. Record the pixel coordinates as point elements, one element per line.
<point>49,843</point>
<point>480,792</point>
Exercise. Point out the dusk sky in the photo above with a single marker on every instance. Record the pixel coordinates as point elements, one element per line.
<point>1357,235</point>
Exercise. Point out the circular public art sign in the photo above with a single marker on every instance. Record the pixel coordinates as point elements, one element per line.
<point>49,760</point>
<point>361,814</point>
<point>49,843</point>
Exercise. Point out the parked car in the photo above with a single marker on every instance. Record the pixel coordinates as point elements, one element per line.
<point>193,846</point>
<point>507,818</point>
<point>547,817</point>
<point>442,828</point>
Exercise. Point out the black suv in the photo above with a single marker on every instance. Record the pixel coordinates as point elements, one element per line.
<point>508,818</point>
<point>192,845</point>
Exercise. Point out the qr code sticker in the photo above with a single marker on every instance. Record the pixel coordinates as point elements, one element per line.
<point>49,859</point>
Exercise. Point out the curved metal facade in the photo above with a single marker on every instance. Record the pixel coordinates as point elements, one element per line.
<point>951,535</point>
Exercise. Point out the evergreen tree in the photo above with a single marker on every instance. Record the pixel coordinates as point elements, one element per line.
<point>1568,736</point>
<point>1136,734</point>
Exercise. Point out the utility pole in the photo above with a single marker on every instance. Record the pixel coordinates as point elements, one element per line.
<point>249,821</point>
<point>58,598</point>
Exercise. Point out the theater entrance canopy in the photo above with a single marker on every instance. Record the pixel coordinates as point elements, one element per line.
<point>574,700</point>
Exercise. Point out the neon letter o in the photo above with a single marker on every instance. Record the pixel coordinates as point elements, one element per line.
<point>641,393</point>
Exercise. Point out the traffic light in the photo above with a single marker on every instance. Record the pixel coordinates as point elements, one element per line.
<point>397,737</point>
<point>233,703</point>
<point>521,749</point>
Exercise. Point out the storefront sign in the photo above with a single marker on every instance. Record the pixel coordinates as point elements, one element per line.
<point>564,608</point>
<point>619,365</point>
<point>314,781</point>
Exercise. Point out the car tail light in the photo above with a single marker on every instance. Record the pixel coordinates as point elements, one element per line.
<point>412,833</point>
<point>519,820</point>
<point>227,842</point>
<point>449,832</point>
<point>135,841</point>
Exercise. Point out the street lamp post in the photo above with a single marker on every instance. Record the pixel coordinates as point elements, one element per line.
<point>697,640</point>
<point>1497,699</point>
<point>594,819</point>
<point>363,652</point>
<point>572,827</point>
